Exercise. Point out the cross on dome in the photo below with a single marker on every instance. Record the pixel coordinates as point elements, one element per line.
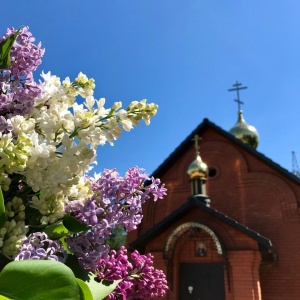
<point>237,87</point>
<point>196,138</point>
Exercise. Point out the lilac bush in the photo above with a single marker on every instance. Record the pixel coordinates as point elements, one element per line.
<point>50,208</point>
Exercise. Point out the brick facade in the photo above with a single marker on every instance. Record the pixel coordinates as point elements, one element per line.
<point>247,187</point>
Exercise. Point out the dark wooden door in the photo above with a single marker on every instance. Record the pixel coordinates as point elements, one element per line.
<point>201,281</point>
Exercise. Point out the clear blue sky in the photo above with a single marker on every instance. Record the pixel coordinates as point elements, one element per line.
<point>183,55</point>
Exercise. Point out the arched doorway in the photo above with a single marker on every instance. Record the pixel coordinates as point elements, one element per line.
<point>195,261</point>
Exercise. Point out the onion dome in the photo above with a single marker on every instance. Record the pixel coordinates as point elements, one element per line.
<point>244,132</point>
<point>197,169</point>
<point>241,130</point>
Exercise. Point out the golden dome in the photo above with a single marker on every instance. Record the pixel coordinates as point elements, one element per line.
<point>197,169</point>
<point>244,132</point>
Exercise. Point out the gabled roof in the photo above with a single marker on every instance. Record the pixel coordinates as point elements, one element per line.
<point>265,244</point>
<point>206,124</point>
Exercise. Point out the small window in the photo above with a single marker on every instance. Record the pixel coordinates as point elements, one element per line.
<point>212,172</point>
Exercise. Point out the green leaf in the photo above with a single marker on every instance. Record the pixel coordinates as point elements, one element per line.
<point>85,290</point>
<point>79,271</point>
<point>39,280</point>
<point>74,225</point>
<point>2,209</point>
<point>101,289</point>
<point>56,231</point>
<point>3,298</point>
<point>5,47</point>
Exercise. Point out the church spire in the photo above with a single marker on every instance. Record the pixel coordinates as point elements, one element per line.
<point>241,130</point>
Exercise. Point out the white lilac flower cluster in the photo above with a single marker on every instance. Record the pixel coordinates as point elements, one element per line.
<point>48,142</point>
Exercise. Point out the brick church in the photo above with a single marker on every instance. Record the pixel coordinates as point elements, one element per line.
<point>229,228</point>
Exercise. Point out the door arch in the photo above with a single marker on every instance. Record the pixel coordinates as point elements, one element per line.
<point>193,235</point>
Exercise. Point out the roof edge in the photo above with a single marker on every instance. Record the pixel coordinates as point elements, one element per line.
<point>201,202</point>
<point>203,126</point>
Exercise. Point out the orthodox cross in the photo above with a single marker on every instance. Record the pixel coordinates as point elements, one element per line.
<point>237,88</point>
<point>197,138</point>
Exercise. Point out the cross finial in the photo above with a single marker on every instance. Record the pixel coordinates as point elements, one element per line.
<point>237,88</point>
<point>197,138</point>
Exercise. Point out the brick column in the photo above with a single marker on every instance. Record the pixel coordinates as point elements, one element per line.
<point>244,273</point>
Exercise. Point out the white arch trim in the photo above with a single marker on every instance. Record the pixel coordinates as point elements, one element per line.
<point>181,229</point>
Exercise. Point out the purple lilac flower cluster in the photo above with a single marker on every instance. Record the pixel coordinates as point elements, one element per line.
<point>140,280</point>
<point>116,201</point>
<point>38,246</point>
<point>121,198</point>
<point>25,56</point>
<point>17,86</point>
<point>88,247</point>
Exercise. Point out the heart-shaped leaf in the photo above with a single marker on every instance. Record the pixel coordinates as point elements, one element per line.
<point>39,279</point>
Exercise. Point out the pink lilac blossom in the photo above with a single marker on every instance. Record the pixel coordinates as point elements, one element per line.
<point>39,246</point>
<point>150,282</point>
<point>115,266</point>
<point>140,280</point>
